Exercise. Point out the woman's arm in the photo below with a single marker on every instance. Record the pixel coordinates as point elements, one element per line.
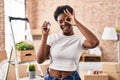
<point>91,40</point>
<point>43,51</point>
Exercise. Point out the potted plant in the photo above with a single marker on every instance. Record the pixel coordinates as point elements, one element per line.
<point>25,51</point>
<point>24,46</point>
<point>32,71</point>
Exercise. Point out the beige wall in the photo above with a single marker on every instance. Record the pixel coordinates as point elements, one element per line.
<point>94,14</point>
<point>2,36</point>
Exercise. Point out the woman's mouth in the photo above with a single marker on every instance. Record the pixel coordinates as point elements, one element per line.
<point>66,28</point>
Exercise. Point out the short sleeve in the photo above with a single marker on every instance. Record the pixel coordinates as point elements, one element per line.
<point>52,39</point>
<point>82,39</point>
<point>49,40</point>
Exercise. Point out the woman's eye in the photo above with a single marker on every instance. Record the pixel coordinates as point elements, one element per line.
<point>68,19</point>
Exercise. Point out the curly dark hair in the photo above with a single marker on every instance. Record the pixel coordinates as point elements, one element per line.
<point>60,9</point>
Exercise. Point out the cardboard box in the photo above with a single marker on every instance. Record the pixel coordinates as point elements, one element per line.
<point>90,76</point>
<point>102,76</point>
<point>25,55</point>
<point>12,74</point>
<point>113,67</point>
<point>114,76</point>
<point>22,71</point>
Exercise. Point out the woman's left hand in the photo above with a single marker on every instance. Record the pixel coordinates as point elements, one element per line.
<point>70,18</point>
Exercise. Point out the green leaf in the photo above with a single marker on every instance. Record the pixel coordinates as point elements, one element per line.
<point>24,46</point>
<point>31,67</point>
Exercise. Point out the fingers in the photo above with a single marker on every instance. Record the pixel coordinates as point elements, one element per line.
<point>46,26</point>
<point>69,16</point>
<point>67,12</point>
<point>49,25</point>
<point>67,19</point>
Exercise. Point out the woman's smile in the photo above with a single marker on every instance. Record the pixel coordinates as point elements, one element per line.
<point>65,28</point>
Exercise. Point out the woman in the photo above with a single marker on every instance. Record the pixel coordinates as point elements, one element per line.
<point>64,49</point>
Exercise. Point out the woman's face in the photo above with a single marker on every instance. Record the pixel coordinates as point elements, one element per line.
<point>66,27</point>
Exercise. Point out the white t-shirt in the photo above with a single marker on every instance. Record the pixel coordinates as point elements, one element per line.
<point>65,51</point>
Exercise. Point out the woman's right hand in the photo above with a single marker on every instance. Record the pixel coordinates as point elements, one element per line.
<point>44,28</point>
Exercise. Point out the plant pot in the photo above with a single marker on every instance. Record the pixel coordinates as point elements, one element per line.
<point>32,74</point>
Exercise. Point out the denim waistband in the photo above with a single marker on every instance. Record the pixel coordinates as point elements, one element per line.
<point>73,76</point>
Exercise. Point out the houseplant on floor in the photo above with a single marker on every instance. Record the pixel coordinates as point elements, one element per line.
<point>32,71</point>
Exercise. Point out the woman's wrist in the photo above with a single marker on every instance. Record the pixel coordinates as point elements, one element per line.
<point>44,35</point>
<point>76,22</point>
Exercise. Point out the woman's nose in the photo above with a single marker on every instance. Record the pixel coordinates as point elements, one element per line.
<point>63,23</point>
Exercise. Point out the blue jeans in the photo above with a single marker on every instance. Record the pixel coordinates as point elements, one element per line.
<point>73,76</point>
